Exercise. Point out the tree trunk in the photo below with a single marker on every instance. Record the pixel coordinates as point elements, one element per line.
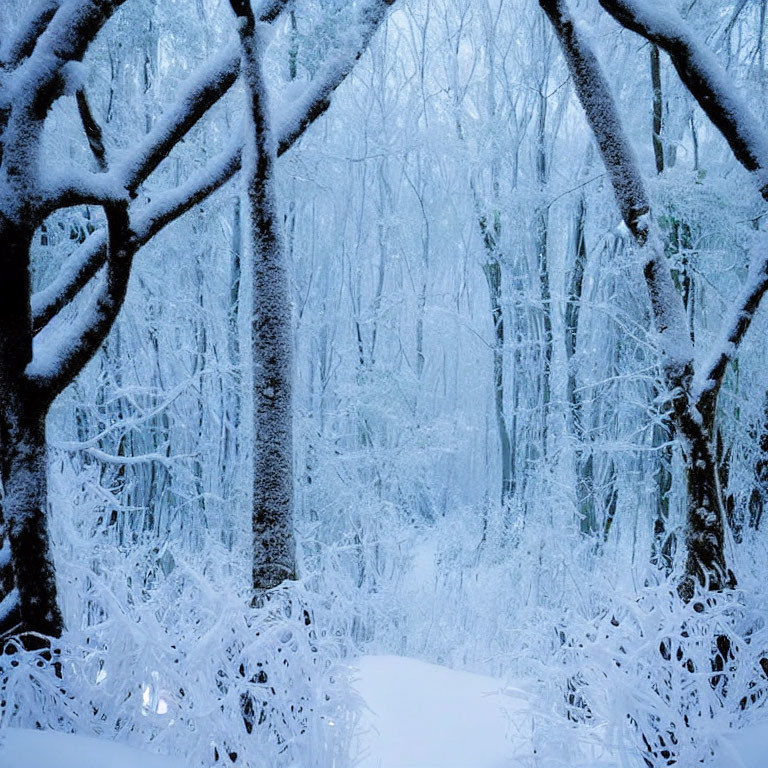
<point>492,271</point>
<point>26,567</point>
<point>274,547</point>
<point>693,420</point>
<point>585,497</point>
<point>706,524</point>
<point>31,605</point>
<point>658,147</point>
<point>542,261</point>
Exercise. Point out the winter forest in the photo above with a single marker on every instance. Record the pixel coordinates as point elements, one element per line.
<point>383,383</point>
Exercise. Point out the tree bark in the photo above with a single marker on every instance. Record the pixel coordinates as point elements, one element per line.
<point>658,147</point>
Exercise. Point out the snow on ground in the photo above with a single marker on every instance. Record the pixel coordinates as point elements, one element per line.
<point>428,716</point>
<point>422,715</point>
<point>418,715</point>
<point>44,749</point>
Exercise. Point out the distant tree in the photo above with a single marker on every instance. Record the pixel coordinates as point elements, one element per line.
<point>39,354</point>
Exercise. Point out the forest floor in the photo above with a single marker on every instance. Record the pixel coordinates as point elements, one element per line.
<point>416,715</point>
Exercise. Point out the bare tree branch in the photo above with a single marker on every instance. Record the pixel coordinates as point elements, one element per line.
<point>92,130</point>
<point>710,379</point>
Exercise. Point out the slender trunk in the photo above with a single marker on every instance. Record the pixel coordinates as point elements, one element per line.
<point>542,257</point>
<point>664,539</point>
<point>584,460</point>
<point>658,147</point>
<point>492,271</point>
<point>233,405</point>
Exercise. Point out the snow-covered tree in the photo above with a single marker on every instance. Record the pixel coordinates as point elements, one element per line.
<point>41,352</point>
<point>693,385</point>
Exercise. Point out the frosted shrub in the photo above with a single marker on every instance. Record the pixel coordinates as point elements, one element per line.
<point>164,653</point>
<point>184,689</point>
<point>648,668</point>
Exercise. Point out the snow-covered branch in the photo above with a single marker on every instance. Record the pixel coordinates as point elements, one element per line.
<point>71,29</point>
<point>124,461</point>
<point>710,377</point>
<point>19,45</point>
<point>74,274</point>
<point>201,92</point>
<point>85,262</point>
<point>168,207</point>
<point>705,78</point>
<point>80,268</point>
<point>79,187</point>
<point>317,97</point>
<point>600,109</point>
<point>57,360</point>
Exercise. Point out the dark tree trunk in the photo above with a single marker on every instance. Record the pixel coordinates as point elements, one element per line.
<point>706,522</point>
<point>658,147</point>
<point>27,575</point>
<point>31,605</point>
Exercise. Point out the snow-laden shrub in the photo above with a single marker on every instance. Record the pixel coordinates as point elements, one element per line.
<point>181,674</point>
<point>163,652</point>
<point>667,679</point>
